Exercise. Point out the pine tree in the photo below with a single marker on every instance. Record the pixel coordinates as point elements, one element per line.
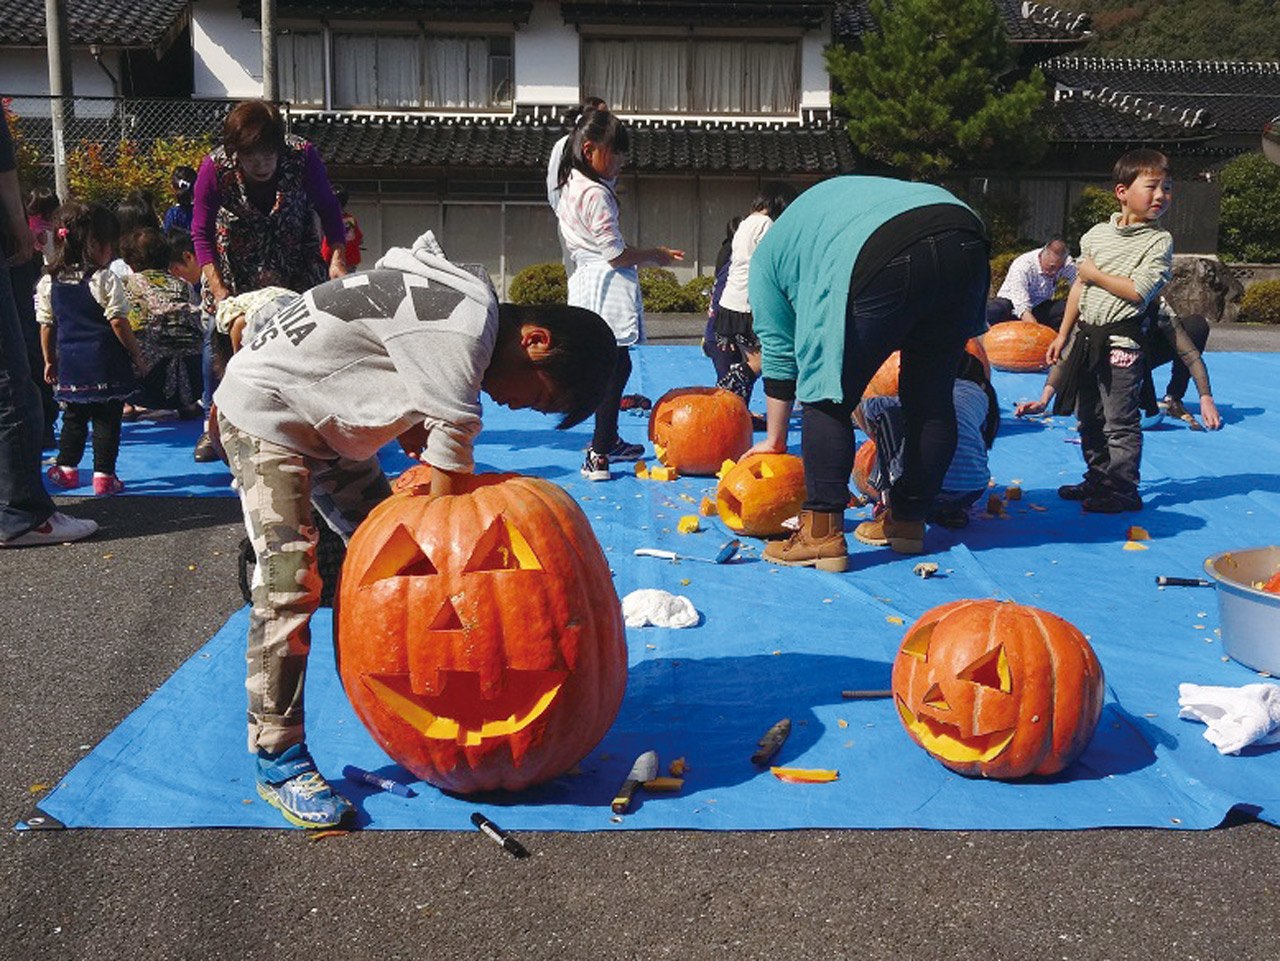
<point>927,92</point>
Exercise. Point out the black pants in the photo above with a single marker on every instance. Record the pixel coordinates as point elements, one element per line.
<point>105,415</point>
<point>1111,424</point>
<point>1160,351</point>
<point>927,302</point>
<point>605,434</point>
<point>1047,312</point>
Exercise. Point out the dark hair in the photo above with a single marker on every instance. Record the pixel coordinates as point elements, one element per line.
<point>726,245</point>
<point>582,354</point>
<point>1136,162</point>
<point>340,192</point>
<point>599,127</point>
<point>183,182</point>
<point>180,243</point>
<point>75,224</point>
<point>43,202</point>
<point>137,210</point>
<point>575,114</point>
<point>972,369</point>
<point>773,198</point>
<point>145,248</point>
<point>253,126</point>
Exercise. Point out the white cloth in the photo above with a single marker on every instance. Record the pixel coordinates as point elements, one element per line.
<point>1236,716</point>
<point>1026,285</point>
<point>649,605</point>
<point>745,241</point>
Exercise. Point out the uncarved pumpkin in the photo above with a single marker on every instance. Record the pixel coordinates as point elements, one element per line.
<point>864,462</point>
<point>884,382</point>
<point>1018,345</point>
<point>479,637</point>
<point>759,492</point>
<point>696,429</point>
<point>997,689</point>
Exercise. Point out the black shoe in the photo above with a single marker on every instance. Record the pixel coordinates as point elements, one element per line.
<point>1111,502</point>
<point>596,466</point>
<point>204,452</point>
<point>1079,492</point>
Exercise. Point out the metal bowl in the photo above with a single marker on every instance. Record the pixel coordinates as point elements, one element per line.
<point>1248,618</point>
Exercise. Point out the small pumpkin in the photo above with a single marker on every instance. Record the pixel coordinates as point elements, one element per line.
<point>696,429</point>
<point>1018,345</point>
<point>759,492</point>
<point>996,689</point>
<point>479,636</point>
<point>864,463</point>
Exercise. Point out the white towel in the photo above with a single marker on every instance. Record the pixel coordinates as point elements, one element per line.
<point>1236,716</point>
<point>659,608</point>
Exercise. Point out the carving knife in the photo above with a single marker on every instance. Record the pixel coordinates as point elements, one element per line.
<point>645,768</point>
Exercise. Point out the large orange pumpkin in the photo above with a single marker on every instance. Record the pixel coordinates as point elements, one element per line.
<point>996,689</point>
<point>759,492</point>
<point>696,429</point>
<point>479,637</point>
<point>1018,345</point>
<point>884,382</point>
<point>864,462</point>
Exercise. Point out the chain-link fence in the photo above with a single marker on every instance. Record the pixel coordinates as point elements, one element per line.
<point>111,128</point>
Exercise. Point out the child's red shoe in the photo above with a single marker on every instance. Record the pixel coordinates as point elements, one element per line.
<point>64,477</point>
<point>106,484</point>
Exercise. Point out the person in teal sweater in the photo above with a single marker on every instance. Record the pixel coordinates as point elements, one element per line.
<point>854,269</point>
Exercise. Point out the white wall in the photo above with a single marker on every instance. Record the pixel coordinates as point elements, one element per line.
<point>815,83</point>
<point>25,72</point>
<point>546,58</point>
<point>227,51</point>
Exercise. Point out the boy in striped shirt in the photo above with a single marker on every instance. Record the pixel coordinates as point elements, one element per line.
<point>1124,263</point>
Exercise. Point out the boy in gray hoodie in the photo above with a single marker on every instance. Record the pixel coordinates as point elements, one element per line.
<point>400,352</point>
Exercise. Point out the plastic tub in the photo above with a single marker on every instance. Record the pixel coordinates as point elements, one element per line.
<point>1249,618</point>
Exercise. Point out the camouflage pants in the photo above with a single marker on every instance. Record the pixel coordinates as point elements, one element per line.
<point>277,488</point>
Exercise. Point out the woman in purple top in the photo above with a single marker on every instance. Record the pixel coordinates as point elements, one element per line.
<point>253,222</point>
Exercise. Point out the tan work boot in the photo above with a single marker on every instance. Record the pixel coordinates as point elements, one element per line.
<point>818,543</point>
<point>905,537</point>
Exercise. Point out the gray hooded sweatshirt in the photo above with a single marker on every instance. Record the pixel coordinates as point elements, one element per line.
<point>357,361</point>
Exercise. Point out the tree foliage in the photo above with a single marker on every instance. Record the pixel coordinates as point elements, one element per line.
<point>926,92</point>
<point>107,174</point>
<point>1182,29</point>
<point>1092,207</point>
<point>1249,224</point>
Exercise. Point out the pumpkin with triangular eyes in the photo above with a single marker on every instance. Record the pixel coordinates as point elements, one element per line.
<point>996,689</point>
<point>696,429</point>
<point>478,635</point>
<point>759,492</point>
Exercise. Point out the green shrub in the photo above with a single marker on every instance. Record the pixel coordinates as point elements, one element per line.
<point>107,173</point>
<point>661,291</point>
<point>539,285</point>
<point>697,294</point>
<point>1261,304</point>
<point>999,269</point>
<point>1094,206</point>
<point>1249,227</point>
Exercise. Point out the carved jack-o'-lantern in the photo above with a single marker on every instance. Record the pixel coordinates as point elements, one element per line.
<point>864,462</point>
<point>696,429</point>
<point>1018,345</point>
<point>479,637</point>
<point>997,689</point>
<point>759,492</point>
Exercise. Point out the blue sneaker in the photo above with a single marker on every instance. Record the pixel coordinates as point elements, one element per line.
<point>289,781</point>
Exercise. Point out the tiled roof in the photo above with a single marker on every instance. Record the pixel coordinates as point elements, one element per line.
<point>525,144</point>
<point>492,11</point>
<point>687,12</point>
<point>1090,117</point>
<point>1023,22</point>
<point>139,23</point>
<point>1236,98</point>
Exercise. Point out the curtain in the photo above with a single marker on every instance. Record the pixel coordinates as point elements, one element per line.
<point>355,75</point>
<point>301,58</point>
<point>770,78</point>
<point>399,71</point>
<point>608,71</point>
<point>718,77</point>
<point>458,72</point>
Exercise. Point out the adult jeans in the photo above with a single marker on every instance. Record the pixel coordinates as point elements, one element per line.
<point>24,502</point>
<point>927,302</point>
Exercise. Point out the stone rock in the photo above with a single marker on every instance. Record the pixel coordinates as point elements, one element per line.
<point>1203,284</point>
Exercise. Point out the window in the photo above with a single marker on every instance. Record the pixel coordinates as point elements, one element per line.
<point>391,71</point>
<point>693,76</point>
<point>300,57</point>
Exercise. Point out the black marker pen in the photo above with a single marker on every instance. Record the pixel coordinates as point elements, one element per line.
<point>509,844</point>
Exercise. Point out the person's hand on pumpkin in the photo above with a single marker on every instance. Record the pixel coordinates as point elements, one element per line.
<point>413,440</point>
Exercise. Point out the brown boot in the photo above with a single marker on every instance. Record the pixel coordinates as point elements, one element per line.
<point>818,543</point>
<point>905,537</point>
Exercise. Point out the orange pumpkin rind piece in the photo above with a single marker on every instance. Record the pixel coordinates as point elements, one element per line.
<point>1136,533</point>
<point>707,508</point>
<point>664,474</point>
<point>804,775</point>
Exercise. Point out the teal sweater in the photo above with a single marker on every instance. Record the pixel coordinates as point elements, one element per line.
<point>799,280</point>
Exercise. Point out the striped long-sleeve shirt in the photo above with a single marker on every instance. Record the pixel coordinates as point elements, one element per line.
<point>1142,252</point>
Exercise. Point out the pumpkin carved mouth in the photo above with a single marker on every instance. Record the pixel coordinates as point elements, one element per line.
<point>946,741</point>
<point>460,711</point>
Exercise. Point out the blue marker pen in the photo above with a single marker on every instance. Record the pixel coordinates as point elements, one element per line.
<point>353,773</point>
